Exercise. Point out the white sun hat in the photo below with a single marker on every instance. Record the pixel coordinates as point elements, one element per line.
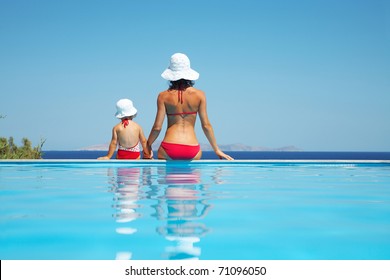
<point>180,68</point>
<point>125,108</point>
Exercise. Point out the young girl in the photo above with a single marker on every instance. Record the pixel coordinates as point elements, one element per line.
<point>127,134</point>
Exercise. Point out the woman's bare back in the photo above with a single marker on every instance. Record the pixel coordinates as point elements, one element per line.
<point>181,108</point>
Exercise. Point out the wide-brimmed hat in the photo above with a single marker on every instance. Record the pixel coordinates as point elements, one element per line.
<point>180,68</point>
<point>125,108</point>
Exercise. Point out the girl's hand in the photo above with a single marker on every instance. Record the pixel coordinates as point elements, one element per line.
<point>147,155</point>
<point>103,158</point>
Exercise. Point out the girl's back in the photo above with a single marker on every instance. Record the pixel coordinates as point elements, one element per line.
<point>128,135</point>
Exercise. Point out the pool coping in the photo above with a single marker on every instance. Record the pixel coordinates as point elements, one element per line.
<point>224,162</point>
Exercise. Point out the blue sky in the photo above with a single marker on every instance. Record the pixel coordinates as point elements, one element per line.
<point>314,74</point>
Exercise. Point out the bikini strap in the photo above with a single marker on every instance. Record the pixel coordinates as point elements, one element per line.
<point>183,113</point>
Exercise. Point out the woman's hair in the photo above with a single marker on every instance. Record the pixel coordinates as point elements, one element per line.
<point>181,84</point>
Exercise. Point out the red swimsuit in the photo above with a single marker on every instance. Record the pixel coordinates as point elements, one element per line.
<point>128,153</point>
<point>180,151</point>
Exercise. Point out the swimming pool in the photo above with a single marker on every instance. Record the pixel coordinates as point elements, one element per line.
<point>153,210</point>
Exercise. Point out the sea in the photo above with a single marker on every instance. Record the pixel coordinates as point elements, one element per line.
<point>242,155</point>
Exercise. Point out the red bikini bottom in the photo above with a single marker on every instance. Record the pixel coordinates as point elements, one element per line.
<point>123,154</point>
<point>180,151</point>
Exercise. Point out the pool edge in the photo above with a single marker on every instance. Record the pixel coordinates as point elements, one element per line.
<point>152,162</point>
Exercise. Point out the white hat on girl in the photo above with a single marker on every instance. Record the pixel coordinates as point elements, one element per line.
<point>125,108</point>
<point>180,68</point>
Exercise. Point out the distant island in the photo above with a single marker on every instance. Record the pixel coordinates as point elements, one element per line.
<point>207,147</point>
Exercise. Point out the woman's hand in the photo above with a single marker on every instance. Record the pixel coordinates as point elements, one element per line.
<point>147,155</point>
<point>222,155</point>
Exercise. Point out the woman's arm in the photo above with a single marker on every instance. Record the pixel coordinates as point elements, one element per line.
<point>158,122</point>
<point>208,128</point>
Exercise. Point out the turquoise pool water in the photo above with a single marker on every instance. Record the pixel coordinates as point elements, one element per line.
<point>200,210</point>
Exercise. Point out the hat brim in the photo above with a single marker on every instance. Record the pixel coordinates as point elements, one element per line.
<point>189,74</point>
<point>129,113</point>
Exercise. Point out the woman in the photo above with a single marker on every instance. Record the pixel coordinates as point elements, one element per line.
<point>181,103</point>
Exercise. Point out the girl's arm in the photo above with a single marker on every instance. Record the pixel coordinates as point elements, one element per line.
<point>147,154</point>
<point>112,147</point>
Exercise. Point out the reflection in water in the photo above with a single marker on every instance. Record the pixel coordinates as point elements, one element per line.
<point>182,205</point>
<point>175,195</point>
<point>126,187</point>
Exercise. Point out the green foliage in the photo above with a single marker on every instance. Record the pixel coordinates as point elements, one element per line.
<point>8,149</point>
